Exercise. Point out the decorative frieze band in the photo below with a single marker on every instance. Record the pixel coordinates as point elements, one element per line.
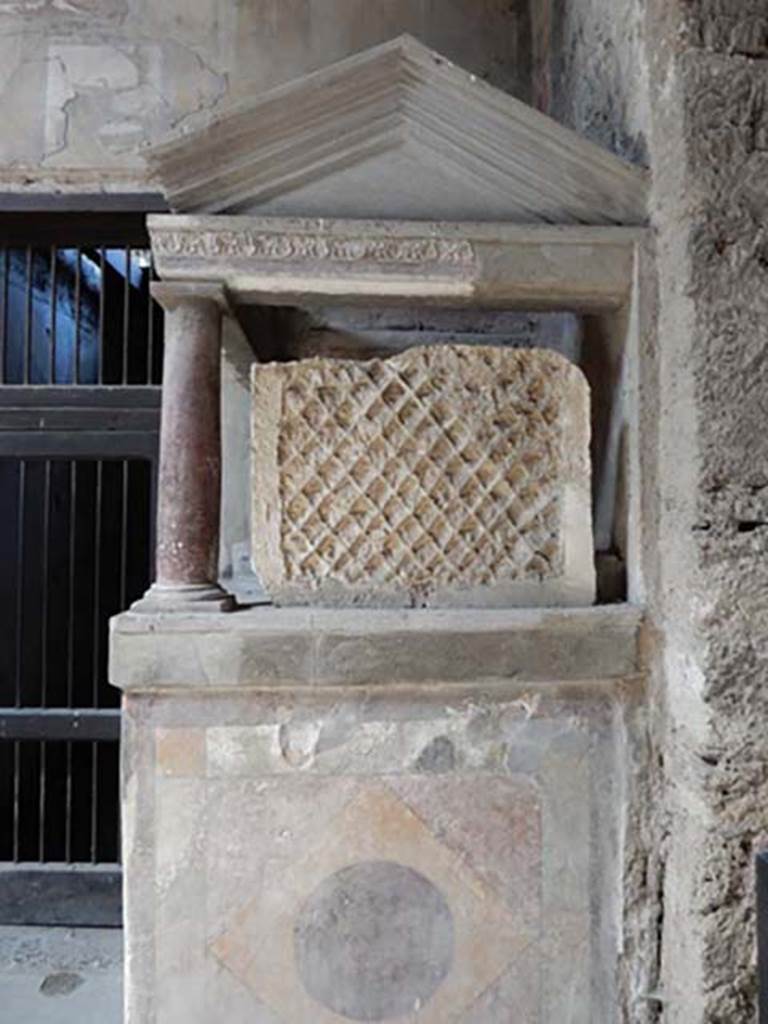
<point>281,247</point>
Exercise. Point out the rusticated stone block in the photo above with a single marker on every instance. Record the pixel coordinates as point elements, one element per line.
<point>444,476</point>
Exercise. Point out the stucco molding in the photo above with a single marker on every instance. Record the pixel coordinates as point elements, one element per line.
<point>281,247</point>
<point>299,259</point>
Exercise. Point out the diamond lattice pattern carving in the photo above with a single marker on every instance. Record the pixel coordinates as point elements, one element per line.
<point>439,468</point>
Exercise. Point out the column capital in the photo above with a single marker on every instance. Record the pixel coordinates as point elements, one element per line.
<point>172,294</point>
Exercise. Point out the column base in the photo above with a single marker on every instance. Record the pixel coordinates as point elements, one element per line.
<point>195,598</point>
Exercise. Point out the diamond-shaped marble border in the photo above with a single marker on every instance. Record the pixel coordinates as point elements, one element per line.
<point>257,946</point>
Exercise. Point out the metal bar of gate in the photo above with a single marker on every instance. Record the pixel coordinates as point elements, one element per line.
<point>70,692</point>
<point>150,334</point>
<point>44,656</point>
<point>761,866</point>
<point>16,805</point>
<point>77,303</point>
<point>126,313</point>
<point>19,579</point>
<point>52,338</point>
<point>96,657</point>
<point>102,305</point>
<point>19,652</point>
<point>60,724</point>
<point>44,596</point>
<point>71,553</point>
<point>28,319</point>
<point>124,534</point>
<point>4,316</point>
<point>65,440</point>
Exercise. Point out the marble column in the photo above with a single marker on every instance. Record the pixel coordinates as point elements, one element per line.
<point>189,484</point>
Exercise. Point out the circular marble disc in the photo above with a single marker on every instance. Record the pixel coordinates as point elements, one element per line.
<point>374,941</point>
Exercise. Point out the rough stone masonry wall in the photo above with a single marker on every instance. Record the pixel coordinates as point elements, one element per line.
<point>684,83</point>
<point>713,69</point>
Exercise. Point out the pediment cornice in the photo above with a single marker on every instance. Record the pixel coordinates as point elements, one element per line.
<point>396,131</point>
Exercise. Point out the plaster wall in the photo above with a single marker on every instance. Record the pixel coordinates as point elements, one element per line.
<point>84,84</point>
<point>589,70</point>
<point>684,86</point>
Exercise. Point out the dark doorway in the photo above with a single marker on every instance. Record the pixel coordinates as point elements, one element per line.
<point>80,366</point>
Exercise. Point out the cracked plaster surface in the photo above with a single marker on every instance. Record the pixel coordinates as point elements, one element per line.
<point>101,102</point>
<point>85,85</point>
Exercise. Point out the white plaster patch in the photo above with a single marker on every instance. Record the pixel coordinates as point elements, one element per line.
<point>59,93</point>
<point>377,747</point>
<point>96,67</point>
<point>91,8</point>
<point>21,6</point>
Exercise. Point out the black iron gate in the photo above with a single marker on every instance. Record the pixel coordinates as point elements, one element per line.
<point>80,364</point>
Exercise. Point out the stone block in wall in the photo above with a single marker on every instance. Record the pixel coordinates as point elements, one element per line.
<point>443,476</point>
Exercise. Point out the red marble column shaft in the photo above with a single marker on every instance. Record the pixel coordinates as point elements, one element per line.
<point>189,490</point>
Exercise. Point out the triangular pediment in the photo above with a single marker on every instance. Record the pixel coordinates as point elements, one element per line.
<point>396,131</point>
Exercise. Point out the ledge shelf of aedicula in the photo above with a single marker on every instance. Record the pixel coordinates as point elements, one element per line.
<point>350,516</point>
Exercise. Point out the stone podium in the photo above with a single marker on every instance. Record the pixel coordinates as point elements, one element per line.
<point>397,788</point>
